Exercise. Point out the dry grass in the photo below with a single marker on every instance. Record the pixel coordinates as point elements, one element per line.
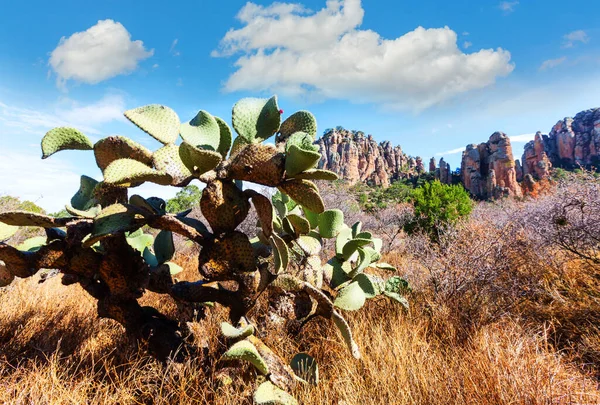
<point>55,351</point>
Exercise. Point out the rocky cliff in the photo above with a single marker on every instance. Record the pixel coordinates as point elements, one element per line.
<point>358,157</point>
<point>488,170</point>
<point>571,143</point>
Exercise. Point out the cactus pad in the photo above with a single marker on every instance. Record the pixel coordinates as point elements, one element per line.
<point>367,285</point>
<point>305,193</point>
<point>269,394</point>
<point>89,214</point>
<point>125,172</point>
<point>309,244</point>
<point>197,160</point>
<point>316,174</point>
<point>140,242</point>
<point>244,350</point>
<point>301,121</point>
<point>109,149</point>
<point>305,367</point>
<point>160,122</point>
<point>330,223</point>
<point>222,258</point>
<point>112,220</point>
<point>167,160</point>
<point>281,254</point>
<point>84,198</point>
<point>298,160</point>
<point>351,297</point>
<point>25,218</point>
<point>223,205</point>
<point>62,138</point>
<point>264,210</point>
<point>300,225</point>
<point>32,244</point>
<point>225,137</point>
<point>258,163</point>
<point>256,119</point>
<point>6,231</point>
<point>231,332</point>
<point>202,131</point>
<point>164,249</point>
<point>343,326</point>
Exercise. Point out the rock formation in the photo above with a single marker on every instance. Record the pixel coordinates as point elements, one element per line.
<point>432,165</point>
<point>356,157</point>
<point>572,142</point>
<point>488,170</point>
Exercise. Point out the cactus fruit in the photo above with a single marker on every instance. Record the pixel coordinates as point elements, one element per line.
<point>63,138</point>
<point>160,122</point>
<point>244,350</point>
<point>109,149</point>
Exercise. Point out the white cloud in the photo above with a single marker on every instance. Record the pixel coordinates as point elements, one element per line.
<point>172,50</point>
<point>552,63</point>
<point>451,152</point>
<point>87,118</point>
<point>287,49</point>
<point>99,53</point>
<point>467,44</point>
<point>155,66</point>
<point>508,6</point>
<point>524,138</point>
<point>571,38</point>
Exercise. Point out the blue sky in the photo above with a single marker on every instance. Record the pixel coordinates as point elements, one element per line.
<point>431,76</point>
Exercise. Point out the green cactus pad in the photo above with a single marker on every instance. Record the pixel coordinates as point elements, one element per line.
<point>383,266</point>
<point>377,244</point>
<point>298,160</point>
<point>109,149</point>
<point>309,244</point>
<point>280,252</point>
<point>231,332</point>
<point>397,297</point>
<point>202,131</point>
<point>244,350</point>
<point>303,141</point>
<point>305,366</point>
<point>160,122</point>
<point>174,268</point>
<point>313,218</point>
<point>198,161</point>
<point>396,284</point>
<point>26,218</point>
<point>167,160</point>
<point>269,394</point>
<point>125,172</point>
<point>84,198</point>
<point>312,271</point>
<point>336,272</point>
<point>367,285</point>
<point>89,214</point>
<point>32,244</point>
<point>305,193</point>
<point>351,297</point>
<point>330,223</point>
<point>6,231</point>
<point>112,220</point>
<point>238,144</point>
<point>164,249</point>
<point>301,121</point>
<point>225,137</point>
<point>301,226</point>
<point>6,277</point>
<point>374,254</point>
<point>364,235</point>
<point>63,138</point>
<point>363,261</point>
<point>343,326</point>
<point>140,242</point>
<point>317,174</point>
<point>342,238</point>
<point>352,245</point>
<point>356,228</point>
<point>256,119</point>
<point>149,258</point>
<point>141,202</point>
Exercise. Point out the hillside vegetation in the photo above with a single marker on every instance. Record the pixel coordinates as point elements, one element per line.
<point>503,310</point>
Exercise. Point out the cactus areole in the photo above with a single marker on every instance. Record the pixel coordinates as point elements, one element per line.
<point>102,247</point>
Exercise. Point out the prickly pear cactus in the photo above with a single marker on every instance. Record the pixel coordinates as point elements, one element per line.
<point>102,247</point>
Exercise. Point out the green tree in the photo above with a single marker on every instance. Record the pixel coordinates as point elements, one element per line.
<point>438,205</point>
<point>186,198</point>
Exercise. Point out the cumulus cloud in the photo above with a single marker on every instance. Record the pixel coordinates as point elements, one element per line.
<point>573,37</point>
<point>522,138</point>
<point>508,6</point>
<point>467,44</point>
<point>552,63</point>
<point>86,117</point>
<point>99,53</point>
<point>288,49</point>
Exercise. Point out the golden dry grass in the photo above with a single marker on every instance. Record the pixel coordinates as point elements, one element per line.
<point>54,350</point>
